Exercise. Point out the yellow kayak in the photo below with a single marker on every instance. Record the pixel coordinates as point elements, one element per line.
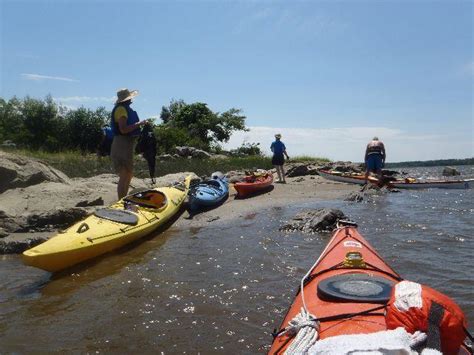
<point>110,228</point>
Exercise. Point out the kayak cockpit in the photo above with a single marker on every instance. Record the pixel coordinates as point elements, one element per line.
<point>148,199</point>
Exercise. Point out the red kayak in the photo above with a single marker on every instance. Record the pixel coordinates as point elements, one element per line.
<point>253,184</point>
<point>346,296</point>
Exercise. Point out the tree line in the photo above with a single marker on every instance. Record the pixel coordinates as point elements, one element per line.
<point>42,124</point>
<point>439,162</point>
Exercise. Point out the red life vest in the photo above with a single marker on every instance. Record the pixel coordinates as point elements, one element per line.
<point>414,307</point>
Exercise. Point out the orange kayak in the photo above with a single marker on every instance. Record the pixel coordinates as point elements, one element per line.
<point>346,290</point>
<point>253,184</point>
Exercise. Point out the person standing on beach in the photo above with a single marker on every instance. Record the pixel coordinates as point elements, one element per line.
<point>125,125</point>
<point>106,141</point>
<point>374,158</point>
<point>279,152</point>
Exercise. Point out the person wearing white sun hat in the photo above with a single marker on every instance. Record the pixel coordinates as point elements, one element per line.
<point>125,125</point>
<point>279,152</point>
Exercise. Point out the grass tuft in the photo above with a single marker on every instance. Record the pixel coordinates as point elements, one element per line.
<point>76,164</point>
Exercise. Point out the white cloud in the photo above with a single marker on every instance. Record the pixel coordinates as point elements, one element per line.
<point>84,99</point>
<point>349,143</point>
<point>38,77</point>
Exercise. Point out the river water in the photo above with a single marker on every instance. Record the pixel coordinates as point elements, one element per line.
<point>225,287</point>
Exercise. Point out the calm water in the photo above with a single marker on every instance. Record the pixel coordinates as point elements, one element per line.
<point>223,288</point>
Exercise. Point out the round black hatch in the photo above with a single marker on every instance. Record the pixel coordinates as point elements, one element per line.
<point>355,287</point>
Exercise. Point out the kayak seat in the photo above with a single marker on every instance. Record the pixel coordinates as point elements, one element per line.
<point>115,215</point>
<point>355,287</point>
<point>213,183</point>
<point>149,199</point>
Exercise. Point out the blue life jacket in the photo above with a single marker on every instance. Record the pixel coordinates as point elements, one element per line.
<point>108,133</point>
<point>132,117</point>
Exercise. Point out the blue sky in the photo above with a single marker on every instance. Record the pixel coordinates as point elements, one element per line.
<point>327,75</point>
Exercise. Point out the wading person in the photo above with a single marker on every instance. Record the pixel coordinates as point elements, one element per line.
<point>125,125</point>
<point>374,158</point>
<point>279,152</point>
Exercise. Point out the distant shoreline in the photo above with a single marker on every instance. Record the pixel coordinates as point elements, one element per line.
<point>439,162</point>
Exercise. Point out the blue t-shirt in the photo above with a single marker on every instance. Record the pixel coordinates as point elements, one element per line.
<point>278,147</point>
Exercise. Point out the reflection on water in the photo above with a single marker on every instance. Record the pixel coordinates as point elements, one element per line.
<point>225,287</point>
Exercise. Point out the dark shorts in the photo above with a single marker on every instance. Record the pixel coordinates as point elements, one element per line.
<point>374,162</point>
<point>278,159</point>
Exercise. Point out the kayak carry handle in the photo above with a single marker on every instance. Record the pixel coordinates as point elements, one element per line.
<point>83,227</point>
<point>346,222</point>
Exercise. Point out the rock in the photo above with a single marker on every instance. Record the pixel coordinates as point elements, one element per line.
<point>200,154</point>
<point>234,176</point>
<point>184,151</point>
<point>343,167</point>
<point>166,157</point>
<point>19,171</point>
<point>219,156</point>
<point>369,192</point>
<point>8,144</point>
<point>300,179</point>
<point>317,220</point>
<point>10,224</point>
<point>347,169</point>
<point>191,152</point>
<point>390,172</point>
<point>47,221</point>
<point>3,233</point>
<point>17,245</point>
<point>450,171</point>
<point>301,169</point>
<point>171,179</point>
<point>355,197</point>
<point>86,203</point>
<point>53,220</point>
<point>298,169</point>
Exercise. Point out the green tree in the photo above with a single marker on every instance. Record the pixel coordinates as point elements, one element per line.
<point>202,124</point>
<point>11,123</point>
<point>43,125</point>
<point>168,138</point>
<point>84,128</point>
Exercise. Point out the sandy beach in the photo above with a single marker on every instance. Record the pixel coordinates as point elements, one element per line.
<point>37,200</point>
<point>296,190</point>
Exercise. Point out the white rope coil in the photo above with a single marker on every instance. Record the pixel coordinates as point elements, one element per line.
<point>306,328</point>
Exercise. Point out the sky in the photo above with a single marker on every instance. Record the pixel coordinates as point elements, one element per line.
<point>327,75</point>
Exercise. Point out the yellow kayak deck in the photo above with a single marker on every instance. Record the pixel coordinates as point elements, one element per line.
<point>131,218</point>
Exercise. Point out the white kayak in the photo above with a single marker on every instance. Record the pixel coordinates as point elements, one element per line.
<point>408,183</point>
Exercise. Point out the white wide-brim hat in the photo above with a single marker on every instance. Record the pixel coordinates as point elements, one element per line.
<point>125,95</point>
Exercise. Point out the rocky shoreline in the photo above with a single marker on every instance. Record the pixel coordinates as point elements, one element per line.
<point>37,200</point>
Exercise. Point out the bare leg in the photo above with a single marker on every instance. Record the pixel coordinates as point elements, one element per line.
<point>278,173</point>
<point>125,177</point>
<point>283,173</point>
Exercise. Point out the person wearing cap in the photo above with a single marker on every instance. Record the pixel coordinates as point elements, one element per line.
<point>374,158</point>
<point>125,126</point>
<point>279,152</point>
